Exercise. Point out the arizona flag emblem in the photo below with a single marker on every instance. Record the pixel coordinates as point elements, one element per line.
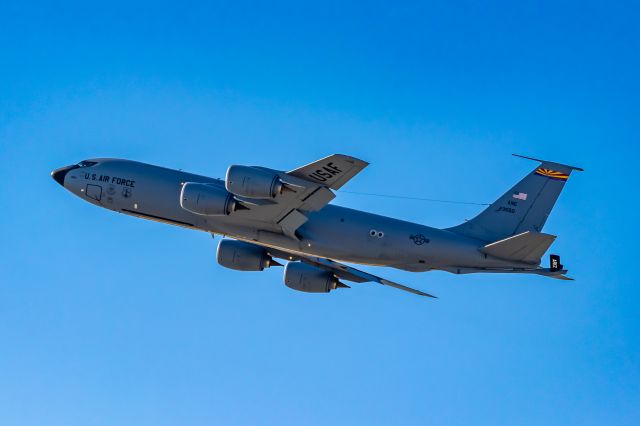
<point>552,174</point>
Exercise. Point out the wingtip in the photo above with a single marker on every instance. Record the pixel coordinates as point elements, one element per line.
<point>403,287</point>
<point>353,160</point>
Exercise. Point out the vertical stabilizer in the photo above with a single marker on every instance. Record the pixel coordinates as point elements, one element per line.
<point>525,207</point>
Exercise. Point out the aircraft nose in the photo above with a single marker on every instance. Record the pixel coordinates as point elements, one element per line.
<point>59,174</point>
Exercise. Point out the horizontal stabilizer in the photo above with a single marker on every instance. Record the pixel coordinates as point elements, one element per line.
<point>551,273</point>
<point>580,169</point>
<point>561,277</point>
<point>527,247</point>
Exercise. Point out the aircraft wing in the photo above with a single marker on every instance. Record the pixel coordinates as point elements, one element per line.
<point>333,171</point>
<point>345,272</point>
<point>309,188</point>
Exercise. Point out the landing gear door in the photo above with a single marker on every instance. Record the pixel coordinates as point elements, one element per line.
<point>94,192</point>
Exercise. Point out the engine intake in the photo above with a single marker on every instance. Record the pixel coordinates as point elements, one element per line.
<point>243,256</point>
<point>302,277</point>
<point>207,199</point>
<point>253,182</point>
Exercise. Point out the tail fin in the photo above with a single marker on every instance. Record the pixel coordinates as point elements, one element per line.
<point>525,207</point>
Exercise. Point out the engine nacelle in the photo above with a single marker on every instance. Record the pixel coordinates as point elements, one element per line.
<point>302,277</point>
<point>243,256</point>
<point>253,182</point>
<point>207,199</point>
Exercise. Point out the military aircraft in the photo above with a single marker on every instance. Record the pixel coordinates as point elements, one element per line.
<point>267,214</point>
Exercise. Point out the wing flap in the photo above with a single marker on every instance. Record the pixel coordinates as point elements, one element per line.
<point>291,222</point>
<point>318,199</point>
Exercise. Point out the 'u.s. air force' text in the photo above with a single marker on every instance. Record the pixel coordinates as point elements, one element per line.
<point>110,179</point>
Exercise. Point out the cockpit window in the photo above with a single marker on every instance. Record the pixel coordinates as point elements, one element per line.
<point>87,163</point>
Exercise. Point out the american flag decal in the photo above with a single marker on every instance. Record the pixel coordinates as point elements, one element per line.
<point>552,174</point>
<point>520,196</point>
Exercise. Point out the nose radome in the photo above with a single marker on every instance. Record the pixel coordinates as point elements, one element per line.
<point>59,174</point>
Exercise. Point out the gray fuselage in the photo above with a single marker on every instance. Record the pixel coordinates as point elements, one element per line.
<point>334,232</point>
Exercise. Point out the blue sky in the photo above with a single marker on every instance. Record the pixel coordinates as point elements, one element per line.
<point>110,320</point>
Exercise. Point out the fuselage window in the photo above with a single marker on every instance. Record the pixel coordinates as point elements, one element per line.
<point>87,163</point>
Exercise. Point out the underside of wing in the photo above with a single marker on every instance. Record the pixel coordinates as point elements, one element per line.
<point>343,271</point>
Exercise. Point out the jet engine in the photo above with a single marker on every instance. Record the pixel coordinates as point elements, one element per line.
<point>243,256</point>
<point>302,277</point>
<point>253,182</point>
<point>207,199</point>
